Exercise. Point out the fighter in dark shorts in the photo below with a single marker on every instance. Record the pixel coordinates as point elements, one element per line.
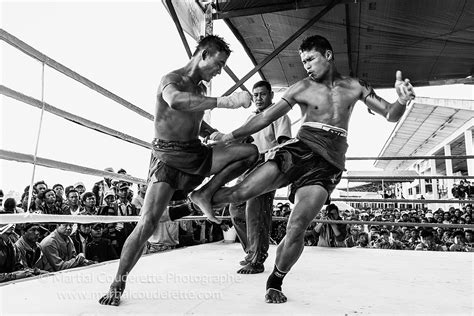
<point>314,161</point>
<point>180,161</point>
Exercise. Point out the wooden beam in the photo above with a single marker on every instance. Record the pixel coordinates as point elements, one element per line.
<point>175,18</point>
<point>272,8</point>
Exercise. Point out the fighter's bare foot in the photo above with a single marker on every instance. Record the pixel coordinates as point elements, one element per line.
<point>113,296</point>
<point>275,296</point>
<point>252,268</point>
<point>204,204</point>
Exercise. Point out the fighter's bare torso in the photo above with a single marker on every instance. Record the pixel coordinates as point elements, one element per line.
<point>171,124</point>
<point>329,104</point>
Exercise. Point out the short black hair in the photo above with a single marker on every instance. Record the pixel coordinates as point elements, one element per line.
<point>58,185</point>
<point>213,44</point>
<point>263,83</point>
<point>40,182</point>
<point>71,191</point>
<point>318,43</point>
<point>426,233</point>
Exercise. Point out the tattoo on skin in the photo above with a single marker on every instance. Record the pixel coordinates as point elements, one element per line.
<point>371,94</point>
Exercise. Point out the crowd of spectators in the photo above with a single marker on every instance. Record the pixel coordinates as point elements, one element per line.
<point>36,248</point>
<point>33,248</point>
<point>384,236</point>
<point>464,190</point>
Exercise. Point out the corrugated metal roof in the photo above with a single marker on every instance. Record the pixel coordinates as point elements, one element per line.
<point>428,39</point>
<point>425,124</point>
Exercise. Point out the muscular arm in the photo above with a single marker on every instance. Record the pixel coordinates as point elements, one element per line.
<point>175,94</point>
<point>266,117</point>
<point>392,111</point>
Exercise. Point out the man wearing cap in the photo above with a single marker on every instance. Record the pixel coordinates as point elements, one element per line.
<point>80,187</point>
<point>110,207</point>
<point>101,187</point>
<point>124,207</point>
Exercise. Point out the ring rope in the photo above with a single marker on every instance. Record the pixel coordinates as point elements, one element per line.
<point>22,218</point>
<point>72,117</point>
<point>19,157</point>
<point>30,191</point>
<point>32,52</point>
<point>418,201</point>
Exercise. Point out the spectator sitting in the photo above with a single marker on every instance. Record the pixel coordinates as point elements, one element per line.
<point>11,267</point>
<point>351,241</point>
<point>28,247</point>
<point>58,250</point>
<point>427,242</point>
<point>363,241</point>
<point>99,249</point>
<point>395,242</point>
<point>10,233</point>
<point>81,237</point>
<point>116,237</point>
<point>459,242</point>
<point>469,234</point>
<point>331,235</point>
<point>383,241</point>
<point>165,236</point>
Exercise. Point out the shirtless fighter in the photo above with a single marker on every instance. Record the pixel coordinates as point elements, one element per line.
<point>180,162</point>
<point>313,161</point>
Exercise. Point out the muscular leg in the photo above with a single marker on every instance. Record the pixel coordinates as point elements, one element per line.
<point>156,200</point>
<point>265,178</point>
<point>309,201</point>
<point>228,162</point>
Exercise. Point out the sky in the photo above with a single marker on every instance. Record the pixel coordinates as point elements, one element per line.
<point>125,47</point>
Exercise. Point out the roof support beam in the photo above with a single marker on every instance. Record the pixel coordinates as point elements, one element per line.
<point>175,18</point>
<point>348,41</point>
<point>292,5</point>
<point>283,45</point>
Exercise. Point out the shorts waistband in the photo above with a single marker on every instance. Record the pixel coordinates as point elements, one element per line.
<point>326,127</point>
<point>157,141</point>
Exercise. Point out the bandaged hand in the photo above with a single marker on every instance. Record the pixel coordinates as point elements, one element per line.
<point>404,89</point>
<point>235,100</point>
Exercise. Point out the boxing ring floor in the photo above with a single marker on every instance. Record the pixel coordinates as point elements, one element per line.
<point>201,280</point>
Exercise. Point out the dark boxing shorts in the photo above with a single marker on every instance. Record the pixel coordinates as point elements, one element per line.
<point>303,167</point>
<point>183,165</point>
